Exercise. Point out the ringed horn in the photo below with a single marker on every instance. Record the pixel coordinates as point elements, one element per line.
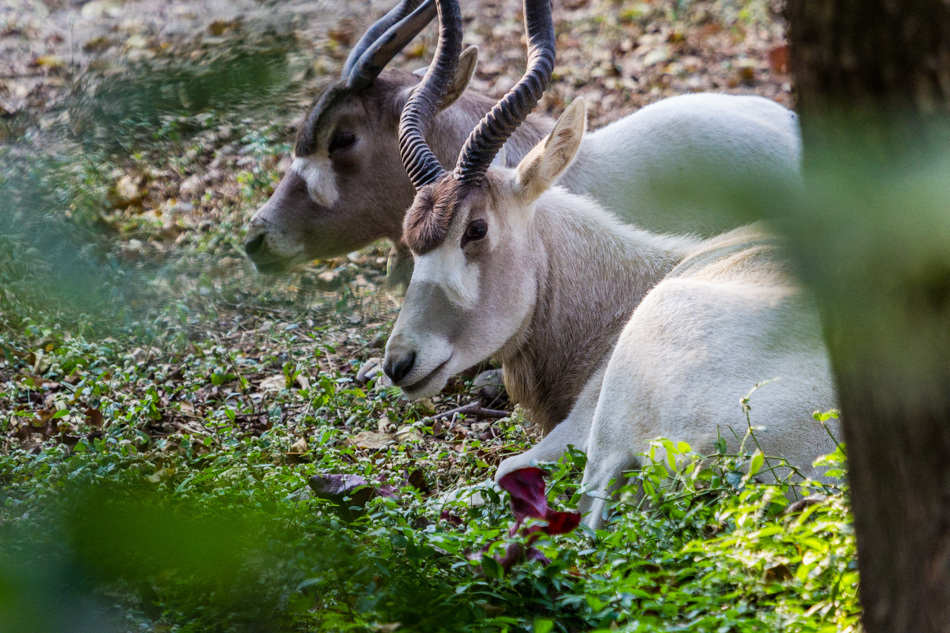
<point>386,37</point>
<point>503,119</point>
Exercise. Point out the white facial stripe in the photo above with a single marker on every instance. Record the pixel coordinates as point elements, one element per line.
<point>318,173</point>
<point>446,267</point>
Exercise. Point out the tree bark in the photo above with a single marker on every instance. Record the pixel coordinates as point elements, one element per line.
<point>890,55</point>
<point>873,90</point>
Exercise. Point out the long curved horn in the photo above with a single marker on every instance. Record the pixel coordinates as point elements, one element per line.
<point>421,164</point>
<point>380,26</point>
<point>380,52</point>
<point>501,122</point>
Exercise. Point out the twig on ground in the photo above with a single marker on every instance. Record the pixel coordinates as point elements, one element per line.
<point>473,409</point>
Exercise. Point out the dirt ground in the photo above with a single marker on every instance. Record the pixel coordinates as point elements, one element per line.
<point>618,55</point>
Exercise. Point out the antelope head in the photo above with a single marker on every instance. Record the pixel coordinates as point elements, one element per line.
<point>472,234</point>
<point>346,157</point>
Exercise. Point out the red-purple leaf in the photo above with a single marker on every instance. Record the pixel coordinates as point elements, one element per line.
<point>535,554</point>
<point>561,522</point>
<point>447,516</point>
<point>355,488</point>
<point>528,500</point>
<point>526,487</point>
<point>513,553</point>
<point>386,489</point>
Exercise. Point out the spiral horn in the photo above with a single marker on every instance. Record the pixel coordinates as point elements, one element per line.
<point>501,122</point>
<point>426,101</point>
<point>384,39</point>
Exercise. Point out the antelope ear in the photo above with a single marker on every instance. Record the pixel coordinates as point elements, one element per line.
<point>501,158</point>
<point>547,161</point>
<point>467,62</point>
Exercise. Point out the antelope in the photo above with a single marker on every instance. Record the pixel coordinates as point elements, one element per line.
<point>609,336</point>
<point>346,187</point>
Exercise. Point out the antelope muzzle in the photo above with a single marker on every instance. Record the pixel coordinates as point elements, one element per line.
<point>274,234</point>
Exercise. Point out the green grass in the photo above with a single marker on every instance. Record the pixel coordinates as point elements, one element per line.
<point>220,533</point>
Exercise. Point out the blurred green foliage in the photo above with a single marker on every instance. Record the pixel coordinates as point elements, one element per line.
<point>167,98</point>
<point>57,245</point>
<point>51,257</point>
<point>867,230</point>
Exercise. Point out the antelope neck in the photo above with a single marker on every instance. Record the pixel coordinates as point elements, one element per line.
<point>592,273</point>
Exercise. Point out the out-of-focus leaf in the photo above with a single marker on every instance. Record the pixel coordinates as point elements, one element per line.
<point>778,59</point>
<point>756,464</point>
<point>274,383</point>
<point>492,567</point>
<point>371,440</point>
<point>93,417</point>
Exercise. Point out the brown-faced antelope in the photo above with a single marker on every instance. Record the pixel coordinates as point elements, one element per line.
<point>609,336</point>
<point>347,188</point>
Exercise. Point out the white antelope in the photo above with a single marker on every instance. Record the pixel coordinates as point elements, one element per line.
<point>346,187</point>
<point>609,336</point>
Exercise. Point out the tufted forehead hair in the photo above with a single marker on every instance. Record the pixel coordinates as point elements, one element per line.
<point>435,207</point>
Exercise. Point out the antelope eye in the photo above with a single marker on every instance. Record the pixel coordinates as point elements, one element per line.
<point>341,140</point>
<point>476,230</point>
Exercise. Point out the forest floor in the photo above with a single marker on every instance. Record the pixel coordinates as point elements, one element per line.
<point>143,356</point>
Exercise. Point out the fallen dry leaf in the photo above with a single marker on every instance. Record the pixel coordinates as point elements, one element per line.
<point>418,481</point>
<point>778,59</point>
<point>99,8</point>
<point>274,383</point>
<point>220,27</point>
<point>342,35</point>
<point>778,573</point>
<point>97,44</point>
<point>48,61</point>
<point>372,440</point>
<point>94,417</point>
<point>370,369</point>
<point>408,433</point>
<point>127,192</point>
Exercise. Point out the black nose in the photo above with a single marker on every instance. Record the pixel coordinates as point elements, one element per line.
<point>253,244</point>
<point>401,368</point>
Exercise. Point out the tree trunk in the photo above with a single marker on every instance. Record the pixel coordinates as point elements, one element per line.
<point>873,88</point>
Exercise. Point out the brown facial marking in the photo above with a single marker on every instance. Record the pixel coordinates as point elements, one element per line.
<point>431,214</point>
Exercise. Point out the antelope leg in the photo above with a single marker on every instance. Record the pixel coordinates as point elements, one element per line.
<point>603,476</point>
<point>573,431</point>
<point>613,441</point>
